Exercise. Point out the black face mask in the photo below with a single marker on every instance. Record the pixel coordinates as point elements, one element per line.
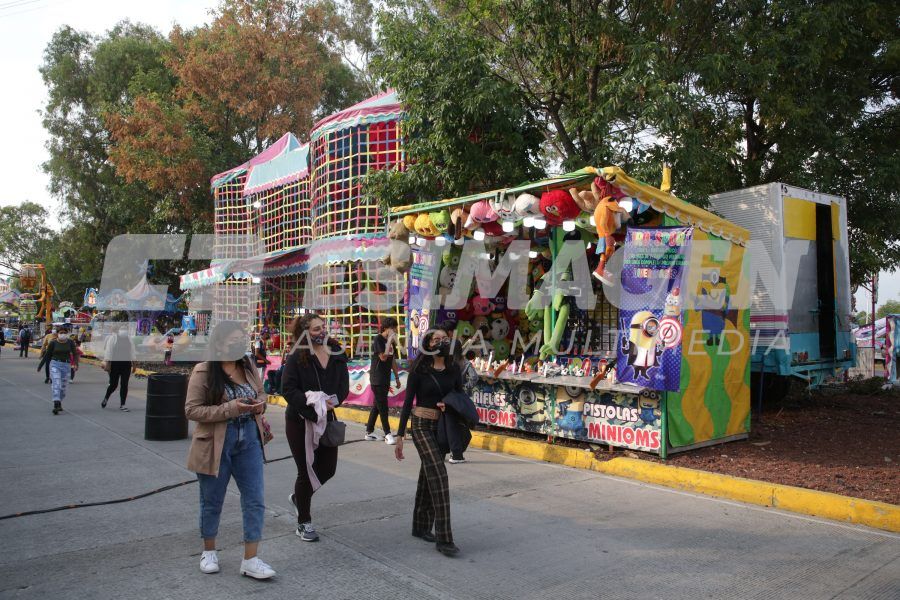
<point>443,348</point>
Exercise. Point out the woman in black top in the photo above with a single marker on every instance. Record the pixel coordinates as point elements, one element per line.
<point>316,363</point>
<point>432,376</point>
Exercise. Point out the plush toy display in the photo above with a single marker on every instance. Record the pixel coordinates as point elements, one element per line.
<point>458,217</point>
<point>450,257</point>
<point>447,278</point>
<point>440,220</point>
<point>399,255</point>
<point>585,199</point>
<point>499,326</point>
<point>504,208</point>
<point>527,205</point>
<point>501,349</point>
<point>480,214</point>
<point>557,206</point>
<point>482,306</point>
<point>424,226</point>
<point>480,323</point>
<point>606,223</point>
<point>409,221</point>
<point>464,330</point>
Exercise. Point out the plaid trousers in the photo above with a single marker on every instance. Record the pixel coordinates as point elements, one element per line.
<point>433,491</point>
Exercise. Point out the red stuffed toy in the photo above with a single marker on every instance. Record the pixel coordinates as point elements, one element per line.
<point>558,206</point>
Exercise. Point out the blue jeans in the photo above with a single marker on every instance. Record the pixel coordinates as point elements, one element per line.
<point>242,457</point>
<point>59,378</point>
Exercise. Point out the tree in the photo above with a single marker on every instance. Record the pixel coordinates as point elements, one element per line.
<point>733,94</point>
<point>22,229</point>
<point>466,130</point>
<point>891,307</point>
<point>801,92</point>
<point>241,82</point>
<point>862,318</point>
<point>88,78</point>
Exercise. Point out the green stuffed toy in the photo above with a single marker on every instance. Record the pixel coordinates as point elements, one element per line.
<point>440,220</point>
<point>450,257</point>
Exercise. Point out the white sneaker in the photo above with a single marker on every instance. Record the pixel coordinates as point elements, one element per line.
<point>209,562</point>
<point>372,437</point>
<point>257,569</point>
<point>456,461</point>
<point>390,440</point>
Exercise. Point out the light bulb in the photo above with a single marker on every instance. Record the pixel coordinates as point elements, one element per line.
<point>412,240</point>
<point>532,254</point>
<point>478,235</point>
<point>459,242</point>
<point>540,223</point>
<point>508,226</point>
<point>440,242</point>
<point>568,225</point>
<point>528,222</point>
<point>420,241</point>
<point>626,204</point>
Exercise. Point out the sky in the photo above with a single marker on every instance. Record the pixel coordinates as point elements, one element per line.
<point>26,27</point>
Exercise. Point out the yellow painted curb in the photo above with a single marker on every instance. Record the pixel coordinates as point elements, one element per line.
<point>879,515</point>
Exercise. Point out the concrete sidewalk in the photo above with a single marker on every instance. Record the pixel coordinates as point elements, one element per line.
<point>526,529</point>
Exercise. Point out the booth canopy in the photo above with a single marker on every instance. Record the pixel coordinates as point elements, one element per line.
<point>383,107</point>
<point>681,211</point>
<point>282,169</point>
<point>286,143</point>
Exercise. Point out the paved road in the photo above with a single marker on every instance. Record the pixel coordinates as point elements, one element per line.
<point>526,529</point>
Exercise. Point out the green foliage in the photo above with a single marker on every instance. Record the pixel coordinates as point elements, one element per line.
<point>732,94</point>
<point>891,307</point>
<point>466,129</point>
<point>862,318</point>
<point>87,78</point>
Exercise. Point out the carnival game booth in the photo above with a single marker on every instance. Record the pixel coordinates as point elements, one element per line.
<point>654,359</point>
<point>321,237</point>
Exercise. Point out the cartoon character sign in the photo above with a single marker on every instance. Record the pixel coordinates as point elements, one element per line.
<point>713,301</point>
<point>530,405</point>
<point>649,352</point>
<point>570,412</point>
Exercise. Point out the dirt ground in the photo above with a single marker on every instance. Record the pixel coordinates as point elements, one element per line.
<point>844,440</point>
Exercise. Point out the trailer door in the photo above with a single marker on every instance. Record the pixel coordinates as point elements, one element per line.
<point>825,280</point>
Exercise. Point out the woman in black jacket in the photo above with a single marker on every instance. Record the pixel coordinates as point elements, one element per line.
<point>316,363</point>
<point>431,377</point>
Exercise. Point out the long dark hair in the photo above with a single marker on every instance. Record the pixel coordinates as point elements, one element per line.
<point>302,343</point>
<point>426,360</point>
<point>216,377</point>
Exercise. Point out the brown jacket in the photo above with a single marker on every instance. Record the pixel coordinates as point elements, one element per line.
<point>212,421</point>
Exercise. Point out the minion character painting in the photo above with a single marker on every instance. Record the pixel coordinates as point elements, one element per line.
<point>641,346</point>
<point>649,351</point>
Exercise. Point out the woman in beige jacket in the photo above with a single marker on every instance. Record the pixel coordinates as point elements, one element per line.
<point>225,398</point>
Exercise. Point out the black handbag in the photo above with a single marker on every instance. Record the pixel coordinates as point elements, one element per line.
<point>335,431</point>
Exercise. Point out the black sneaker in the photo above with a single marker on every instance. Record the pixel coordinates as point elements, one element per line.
<point>426,535</point>
<point>57,407</point>
<point>103,404</point>
<point>447,548</point>
<point>307,532</point>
